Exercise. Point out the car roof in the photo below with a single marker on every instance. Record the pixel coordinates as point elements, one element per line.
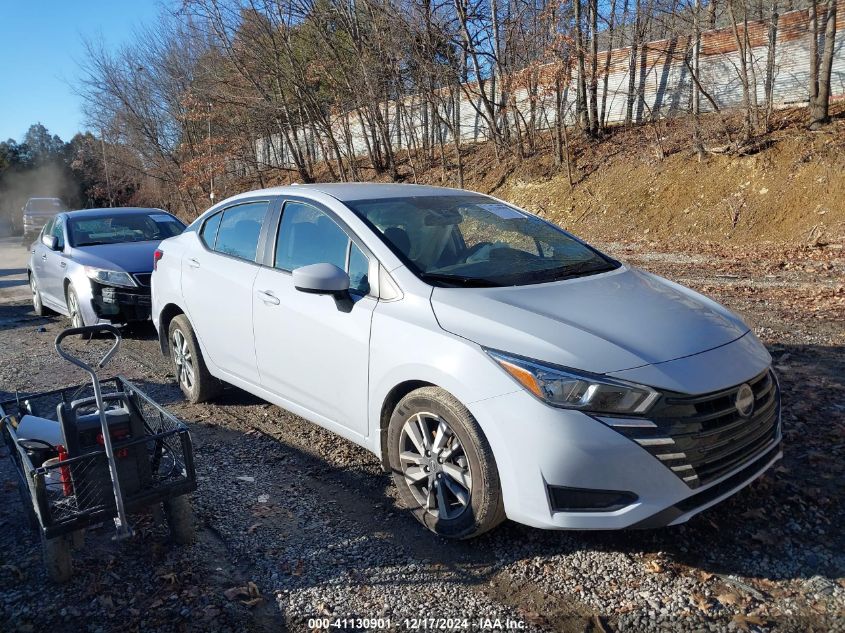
<point>103,212</point>
<point>349,191</point>
<point>45,198</point>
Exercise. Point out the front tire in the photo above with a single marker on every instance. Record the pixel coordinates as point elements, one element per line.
<point>193,376</point>
<point>74,312</point>
<point>37,305</point>
<point>443,465</point>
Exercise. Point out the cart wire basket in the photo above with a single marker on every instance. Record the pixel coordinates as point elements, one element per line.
<point>152,450</point>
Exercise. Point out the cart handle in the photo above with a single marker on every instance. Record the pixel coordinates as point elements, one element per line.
<point>88,329</point>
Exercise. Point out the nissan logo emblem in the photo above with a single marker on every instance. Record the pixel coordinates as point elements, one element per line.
<point>745,400</point>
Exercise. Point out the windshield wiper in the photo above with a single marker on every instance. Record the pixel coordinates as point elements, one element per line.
<point>459,281</point>
<point>568,272</point>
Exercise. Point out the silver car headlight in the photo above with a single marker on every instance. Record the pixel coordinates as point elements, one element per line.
<point>110,277</point>
<point>571,389</point>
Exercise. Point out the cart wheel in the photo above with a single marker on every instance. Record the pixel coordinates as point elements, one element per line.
<point>180,518</point>
<point>57,558</point>
<point>77,539</point>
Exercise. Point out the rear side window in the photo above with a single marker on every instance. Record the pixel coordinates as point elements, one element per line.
<point>239,229</point>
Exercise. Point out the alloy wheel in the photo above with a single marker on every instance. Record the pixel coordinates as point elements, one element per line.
<point>73,309</point>
<point>183,359</point>
<point>435,466</point>
<point>36,296</point>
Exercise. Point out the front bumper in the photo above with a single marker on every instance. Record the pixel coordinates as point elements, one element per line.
<point>118,304</point>
<point>545,455</point>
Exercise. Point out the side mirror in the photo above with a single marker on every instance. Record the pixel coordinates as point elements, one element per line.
<point>51,242</point>
<point>324,279</point>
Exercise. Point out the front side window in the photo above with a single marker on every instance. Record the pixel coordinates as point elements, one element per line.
<point>240,227</point>
<point>471,240</point>
<point>59,233</point>
<point>307,236</point>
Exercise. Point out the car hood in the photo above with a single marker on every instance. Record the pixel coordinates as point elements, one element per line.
<point>130,257</point>
<point>601,323</point>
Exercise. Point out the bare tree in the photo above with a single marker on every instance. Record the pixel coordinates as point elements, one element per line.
<point>821,65</point>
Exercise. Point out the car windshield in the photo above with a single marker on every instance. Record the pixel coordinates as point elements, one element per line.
<point>122,227</point>
<point>476,241</point>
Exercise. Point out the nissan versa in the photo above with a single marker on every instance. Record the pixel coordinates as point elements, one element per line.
<point>499,366</point>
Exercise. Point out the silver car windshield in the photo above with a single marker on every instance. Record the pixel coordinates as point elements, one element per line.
<point>123,227</point>
<point>476,241</point>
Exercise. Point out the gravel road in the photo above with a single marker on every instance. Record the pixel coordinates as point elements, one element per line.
<point>296,523</point>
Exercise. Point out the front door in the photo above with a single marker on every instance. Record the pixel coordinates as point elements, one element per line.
<point>218,272</point>
<point>55,265</point>
<point>310,352</point>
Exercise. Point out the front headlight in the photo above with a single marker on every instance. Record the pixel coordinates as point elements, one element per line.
<point>110,277</point>
<point>570,389</point>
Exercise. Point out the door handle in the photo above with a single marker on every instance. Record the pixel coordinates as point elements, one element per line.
<point>44,257</point>
<point>193,263</point>
<point>63,264</point>
<point>268,297</point>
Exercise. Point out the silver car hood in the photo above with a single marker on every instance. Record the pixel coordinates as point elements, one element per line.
<point>602,323</point>
<point>130,257</point>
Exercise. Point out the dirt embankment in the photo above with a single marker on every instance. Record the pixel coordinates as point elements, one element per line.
<point>790,191</point>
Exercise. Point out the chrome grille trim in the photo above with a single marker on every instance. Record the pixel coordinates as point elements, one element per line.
<point>712,438</point>
<point>659,441</point>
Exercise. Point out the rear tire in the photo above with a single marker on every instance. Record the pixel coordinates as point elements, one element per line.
<point>193,376</point>
<point>58,559</point>
<point>443,465</point>
<point>180,519</point>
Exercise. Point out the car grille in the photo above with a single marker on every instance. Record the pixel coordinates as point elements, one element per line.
<point>143,279</point>
<point>701,438</point>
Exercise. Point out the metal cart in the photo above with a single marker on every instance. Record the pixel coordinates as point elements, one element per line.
<point>111,450</point>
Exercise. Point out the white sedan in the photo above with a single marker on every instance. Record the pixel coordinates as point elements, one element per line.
<point>497,365</point>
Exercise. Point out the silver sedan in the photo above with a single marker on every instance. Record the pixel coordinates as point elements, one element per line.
<point>95,265</point>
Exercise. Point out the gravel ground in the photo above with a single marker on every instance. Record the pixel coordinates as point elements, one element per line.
<point>296,523</point>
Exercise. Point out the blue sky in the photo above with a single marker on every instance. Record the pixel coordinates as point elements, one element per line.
<point>40,50</point>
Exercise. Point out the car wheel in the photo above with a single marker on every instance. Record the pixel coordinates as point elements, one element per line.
<point>193,376</point>
<point>37,305</point>
<point>443,465</point>
<point>73,310</point>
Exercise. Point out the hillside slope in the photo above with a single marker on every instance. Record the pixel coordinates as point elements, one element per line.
<point>791,191</point>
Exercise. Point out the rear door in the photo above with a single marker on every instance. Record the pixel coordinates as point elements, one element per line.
<point>217,278</point>
<point>309,351</point>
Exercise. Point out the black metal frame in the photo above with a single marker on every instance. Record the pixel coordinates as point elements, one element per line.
<point>33,478</point>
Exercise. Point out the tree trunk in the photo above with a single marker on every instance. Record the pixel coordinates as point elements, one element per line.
<point>770,60</point>
<point>581,97</point>
<point>594,68</point>
<point>820,97</point>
